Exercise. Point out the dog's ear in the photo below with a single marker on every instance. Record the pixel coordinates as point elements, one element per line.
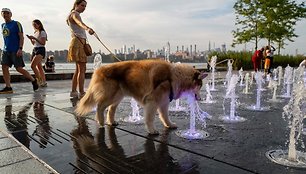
<point>203,75</point>
<point>196,75</point>
<point>199,76</point>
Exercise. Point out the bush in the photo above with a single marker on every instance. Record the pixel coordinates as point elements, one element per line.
<point>244,59</point>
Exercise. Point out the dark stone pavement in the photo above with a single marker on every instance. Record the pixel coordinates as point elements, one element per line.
<point>45,123</point>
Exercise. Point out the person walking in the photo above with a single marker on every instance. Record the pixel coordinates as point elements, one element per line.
<point>256,59</point>
<point>39,51</point>
<point>76,51</point>
<point>12,52</point>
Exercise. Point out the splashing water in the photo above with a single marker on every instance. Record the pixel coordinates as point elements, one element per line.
<point>135,116</point>
<point>231,92</point>
<point>294,113</point>
<point>241,76</point>
<point>97,61</point>
<point>247,83</point>
<point>209,98</point>
<point>229,72</point>
<point>280,75</point>
<point>274,88</point>
<point>231,87</point>
<point>195,113</point>
<point>258,107</point>
<point>275,74</point>
<point>178,106</point>
<point>213,62</point>
<point>252,78</point>
<point>288,80</point>
<point>269,79</point>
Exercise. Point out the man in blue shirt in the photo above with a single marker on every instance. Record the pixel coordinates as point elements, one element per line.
<point>12,51</point>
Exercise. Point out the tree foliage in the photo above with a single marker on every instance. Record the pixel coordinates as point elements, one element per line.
<point>273,20</point>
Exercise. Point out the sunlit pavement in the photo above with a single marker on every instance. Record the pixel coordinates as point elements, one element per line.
<point>44,122</point>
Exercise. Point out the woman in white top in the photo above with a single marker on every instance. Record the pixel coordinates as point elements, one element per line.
<point>39,51</point>
<point>76,51</point>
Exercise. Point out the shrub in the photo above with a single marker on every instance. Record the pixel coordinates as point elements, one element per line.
<point>244,59</point>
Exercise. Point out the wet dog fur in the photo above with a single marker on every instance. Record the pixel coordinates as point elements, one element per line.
<point>152,83</point>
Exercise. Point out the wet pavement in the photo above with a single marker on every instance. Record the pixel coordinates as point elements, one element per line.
<point>45,123</point>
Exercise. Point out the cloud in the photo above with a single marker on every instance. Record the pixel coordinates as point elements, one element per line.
<point>147,24</point>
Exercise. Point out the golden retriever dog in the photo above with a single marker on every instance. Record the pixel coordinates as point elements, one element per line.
<point>152,83</point>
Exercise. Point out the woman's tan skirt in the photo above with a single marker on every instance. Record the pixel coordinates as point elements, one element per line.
<point>76,50</point>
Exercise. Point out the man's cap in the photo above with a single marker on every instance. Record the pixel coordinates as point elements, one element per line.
<point>6,10</point>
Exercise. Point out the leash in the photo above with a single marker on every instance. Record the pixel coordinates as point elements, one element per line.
<point>95,34</point>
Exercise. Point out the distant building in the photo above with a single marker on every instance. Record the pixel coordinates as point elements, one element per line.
<point>223,48</point>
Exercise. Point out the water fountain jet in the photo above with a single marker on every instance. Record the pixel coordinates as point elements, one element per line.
<point>195,113</point>
<point>232,118</point>
<point>294,112</point>
<point>213,67</point>
<point>209,98</point>
<point>178,107</point>
<point>134,117</point>
<point>258,107</point>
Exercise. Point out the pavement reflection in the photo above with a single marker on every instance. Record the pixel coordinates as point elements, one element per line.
<point>105,153</point>
<point>17,124</point>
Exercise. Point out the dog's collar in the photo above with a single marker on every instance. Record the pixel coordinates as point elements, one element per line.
<point>171,95</point>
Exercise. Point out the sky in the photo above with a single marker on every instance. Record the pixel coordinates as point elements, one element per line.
<point>147,24</point>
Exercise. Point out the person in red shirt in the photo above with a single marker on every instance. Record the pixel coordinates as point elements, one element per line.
<point>256,58</point>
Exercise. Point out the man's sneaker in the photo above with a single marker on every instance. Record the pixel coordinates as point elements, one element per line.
<point>6,90</point>
<point>74,94</point>
<point>35,85</point>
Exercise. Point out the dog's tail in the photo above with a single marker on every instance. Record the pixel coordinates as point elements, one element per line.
<point>86,103</point>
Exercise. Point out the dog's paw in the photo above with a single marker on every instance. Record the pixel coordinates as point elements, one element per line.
<point>100,125</point>
<point>115,123</point>
<point>172,126</point>
<point>153,132</point>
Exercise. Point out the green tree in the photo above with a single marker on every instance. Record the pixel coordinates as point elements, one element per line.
<point>281,17</point>
<point>248,19</point>
<point>273,20</point>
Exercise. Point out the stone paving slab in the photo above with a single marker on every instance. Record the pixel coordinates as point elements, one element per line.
<point>2,135</point>
<point>7,143</point>
<point>15,159</point>
<point>13,155</point>
<point>75,144</point>
<point>26,167</point>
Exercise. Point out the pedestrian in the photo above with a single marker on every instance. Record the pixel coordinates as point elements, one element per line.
<point>12,52</point>
<point>76,51</point>
<point>256,59</point>
<point>269,53</point>
<point>49,64</point>
<point>39,51</point>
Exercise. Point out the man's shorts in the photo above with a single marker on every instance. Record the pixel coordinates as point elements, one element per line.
<point>39,51</point>
<point>10,58</point>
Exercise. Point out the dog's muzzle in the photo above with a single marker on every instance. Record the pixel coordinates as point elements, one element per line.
<point>197,97</point>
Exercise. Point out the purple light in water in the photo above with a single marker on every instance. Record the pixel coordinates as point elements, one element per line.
<point>195,113</point>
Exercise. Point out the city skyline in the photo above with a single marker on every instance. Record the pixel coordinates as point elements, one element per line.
<point>145,25</point>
